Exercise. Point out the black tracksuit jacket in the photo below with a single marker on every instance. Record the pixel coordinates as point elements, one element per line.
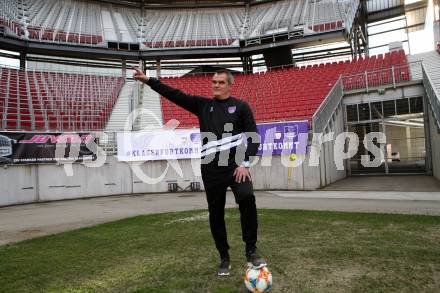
<point>213,115</point>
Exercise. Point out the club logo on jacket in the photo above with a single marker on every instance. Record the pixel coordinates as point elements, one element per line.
<point>232,109</point>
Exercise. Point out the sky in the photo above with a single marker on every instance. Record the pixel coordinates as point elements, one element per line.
<point>419,41</point>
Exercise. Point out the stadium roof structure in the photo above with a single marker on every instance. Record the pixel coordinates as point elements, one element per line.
<point>184,3</point>
<point>187,29</point>
<point>102,29</point>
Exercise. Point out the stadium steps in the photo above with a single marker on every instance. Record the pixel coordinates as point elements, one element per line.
<point>125,34</point>
<point>121,109</point>
<point>87,22</point>
<point>431,61</point>
<point>4,92</point>
<point>131,26</point>
<point>148,100</point>
<point>69,18</point>
<point>108,26</point>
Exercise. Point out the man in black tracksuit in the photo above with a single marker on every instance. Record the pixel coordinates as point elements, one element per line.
<point>223,119</point>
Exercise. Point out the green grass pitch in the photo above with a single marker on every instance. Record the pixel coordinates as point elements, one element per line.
<point>307,251</point>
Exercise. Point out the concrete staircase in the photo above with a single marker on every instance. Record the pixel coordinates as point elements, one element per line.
<point>431,61</point>
<point>133,95</point>
<point>150,101</point>
<point>138,96</point>
<point>121,109</point>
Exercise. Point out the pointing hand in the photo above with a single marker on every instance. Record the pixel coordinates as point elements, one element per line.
<point>139,75</point>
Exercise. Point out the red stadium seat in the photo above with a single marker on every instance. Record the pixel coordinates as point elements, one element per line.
<point>46,96</point>
<point>281,94</point>
<point>376,71</point>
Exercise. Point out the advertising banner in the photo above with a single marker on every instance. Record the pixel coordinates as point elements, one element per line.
<point>283,137</point>
<point>30,148</point>
<point>159,145</point>
<point>276,138</point>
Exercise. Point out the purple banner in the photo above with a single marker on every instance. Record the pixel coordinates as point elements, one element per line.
<point>283,137</point>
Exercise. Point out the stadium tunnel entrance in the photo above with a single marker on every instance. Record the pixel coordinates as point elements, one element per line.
<point>397,113</point>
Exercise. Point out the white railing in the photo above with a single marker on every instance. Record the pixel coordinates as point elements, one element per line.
<point>376,78</point>
<point>110,147</point>
<point>42,101</point>
<point>436,30</point>
<point>12,25</point>
<point>49,34</point>
<point>324,113</point>
<point>350,15</point>
<point>205,37</point>
<point>433,97</point>
<point>54,35</point>
<point>87,72</point>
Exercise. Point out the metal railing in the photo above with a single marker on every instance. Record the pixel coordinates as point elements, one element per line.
<point>54,35</point>
<point>350,15</point>
<point>271,29</point>
<point>41,101</point>
<point>235,73</point>
<point>433,97</point>
<point>389,76</point>
<point>111,146</point>
<point>12,25</point>
<point>324,113</point>
<point>436,30</point>
<point>206,37</point>
<point>49,34</point>
<point>37,68</point>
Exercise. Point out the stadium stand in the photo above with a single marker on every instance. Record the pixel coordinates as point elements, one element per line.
<point>90,23</point>
<point>72,22</point>
<point>293,93</point>
<point>67,101</point>
<point>39,100</point>
<point>83,23</point>
<point>9,16</point>
<point>377,70</point>
<point>193,27</point>
<point>285,16</point>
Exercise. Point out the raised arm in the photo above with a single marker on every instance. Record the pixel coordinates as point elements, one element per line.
<point>188,102</point>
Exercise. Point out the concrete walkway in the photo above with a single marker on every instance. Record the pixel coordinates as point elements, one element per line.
<point>32,220</point>
<point>387,183</point>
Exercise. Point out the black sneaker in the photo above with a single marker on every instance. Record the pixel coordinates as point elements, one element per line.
<point>224,267</point>
<point>255,261</point>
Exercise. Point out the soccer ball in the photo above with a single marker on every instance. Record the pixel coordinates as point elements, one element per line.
<point>258,280</point>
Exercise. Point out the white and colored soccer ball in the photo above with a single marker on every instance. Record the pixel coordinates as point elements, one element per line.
<point>258,280</point>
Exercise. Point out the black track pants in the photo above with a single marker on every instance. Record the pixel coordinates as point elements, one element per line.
<point>244,197</point>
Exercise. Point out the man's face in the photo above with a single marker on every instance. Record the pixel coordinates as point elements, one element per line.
<point>220,86</point>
